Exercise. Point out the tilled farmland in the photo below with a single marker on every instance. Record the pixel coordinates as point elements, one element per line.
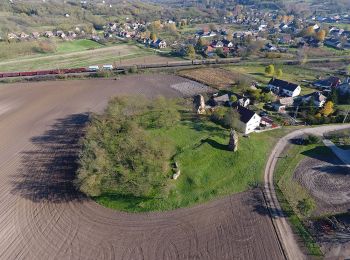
<point>42,216</point>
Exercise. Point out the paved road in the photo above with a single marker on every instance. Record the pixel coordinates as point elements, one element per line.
<point>288,239</point>
<point>43,217</point>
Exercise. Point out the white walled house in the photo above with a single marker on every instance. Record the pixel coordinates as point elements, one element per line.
<point>318,99</point>
<point>284,88</point>
<point>249,120</point>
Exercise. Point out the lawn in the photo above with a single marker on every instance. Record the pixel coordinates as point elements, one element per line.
<point>291,73</point>
<point>344,107</point>
<point>208,169</point>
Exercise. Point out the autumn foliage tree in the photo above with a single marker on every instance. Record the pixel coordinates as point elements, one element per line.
<point>153,36</point>
<point>321,35</point>
<point>328,109</point>
<point>309,31</point>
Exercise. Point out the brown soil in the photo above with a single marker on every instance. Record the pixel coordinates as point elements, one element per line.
<point>214,77</point>
<point>42,216</point>
<point>328,181</point>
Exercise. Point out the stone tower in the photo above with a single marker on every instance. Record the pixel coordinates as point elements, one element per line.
<point>233,143</point>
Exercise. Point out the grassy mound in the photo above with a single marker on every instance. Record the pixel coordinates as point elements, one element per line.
<point>208,169</point>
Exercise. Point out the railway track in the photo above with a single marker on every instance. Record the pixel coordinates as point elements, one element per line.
<point>173,64</point>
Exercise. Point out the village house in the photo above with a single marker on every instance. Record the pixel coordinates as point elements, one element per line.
<point>71,35</point>
<point>159,44</point>
<point>345,87</point>
<point>333,43</point>
<point>318,99</point>
<point>48,34</point>
<point>244,101</point>
<point>227,43</point>
<point>60,34</point>
<point>285,39</point>
<point>12,36</point>
<point>328,83</point>
<point>208,50</point>
<point>23,35</point>
<point>249,120</point>
<point>270,47</point>
<point>284,88</point>
<point>217,44</point>
<point>222,100</point>
<point>35,35</point>
<point>266,122</point>
<point>281,104</point>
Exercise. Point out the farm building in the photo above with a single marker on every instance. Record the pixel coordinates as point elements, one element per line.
<point>284,88</point>
<point>281,104</point>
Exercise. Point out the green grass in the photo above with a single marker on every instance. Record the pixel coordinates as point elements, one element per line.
<point>77,45</point>
<point>208,170</point>
<point>68,56</point>
<point>290,192</point>
<point>291,73</point>
<point>343,107</point>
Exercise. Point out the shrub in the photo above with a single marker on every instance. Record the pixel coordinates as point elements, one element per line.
<point>311,139</point>
<point>270,70</point>
<point>45,47</point>
<point>133,69</point>
<point>306,206</point>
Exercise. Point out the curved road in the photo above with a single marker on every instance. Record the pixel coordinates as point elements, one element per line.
<point>287,238</point>
<point>43,217</point>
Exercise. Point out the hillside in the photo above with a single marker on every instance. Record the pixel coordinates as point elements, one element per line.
<point>29,16</point>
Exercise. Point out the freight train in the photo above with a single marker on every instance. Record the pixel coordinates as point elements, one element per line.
<point>92,69</point>
<point>41,72</point>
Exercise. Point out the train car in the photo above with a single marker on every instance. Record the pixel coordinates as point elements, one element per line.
<point>10,74</point>
<point>107,67</point>
<point>44,72</point>
<point>27,73</point>
<point>93,68</point>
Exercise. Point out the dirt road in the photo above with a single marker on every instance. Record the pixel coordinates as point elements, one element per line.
<point>43,217</point>
<point>289,241</point>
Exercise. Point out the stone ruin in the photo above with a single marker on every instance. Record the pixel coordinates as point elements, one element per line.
<point>233,143</point>
<point>199,105</point>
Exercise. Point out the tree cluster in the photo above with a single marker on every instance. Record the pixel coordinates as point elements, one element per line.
<point>118,152</point>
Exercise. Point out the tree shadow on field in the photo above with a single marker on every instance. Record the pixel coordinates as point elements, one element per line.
<point>257,201</point>
<point>48,170</point>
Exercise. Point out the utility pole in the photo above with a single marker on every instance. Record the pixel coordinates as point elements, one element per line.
<point>346,116</point>
<point>296,114</point>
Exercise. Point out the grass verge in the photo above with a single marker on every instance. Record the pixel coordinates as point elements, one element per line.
<point>290,192</point>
